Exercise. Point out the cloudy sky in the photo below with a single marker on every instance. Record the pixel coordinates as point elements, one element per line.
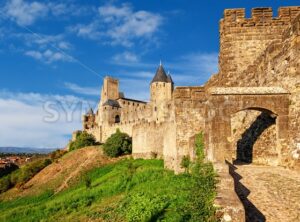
<point>54,55</point>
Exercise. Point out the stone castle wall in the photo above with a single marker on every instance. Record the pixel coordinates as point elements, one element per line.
<point>277,64</point>
<point>242,39</point>
<point>189,108</point>
<point>254,52</point>
<point>132,111</point>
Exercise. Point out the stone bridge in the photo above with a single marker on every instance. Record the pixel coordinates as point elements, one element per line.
<point>222,103</point>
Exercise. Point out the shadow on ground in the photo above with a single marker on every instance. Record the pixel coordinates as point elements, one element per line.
<point>252,213</point>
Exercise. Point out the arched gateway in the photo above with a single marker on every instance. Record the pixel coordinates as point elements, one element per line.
<point>224,102</point>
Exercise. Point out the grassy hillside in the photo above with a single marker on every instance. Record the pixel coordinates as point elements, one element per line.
<point>129,190</point>
<point>62,173</point>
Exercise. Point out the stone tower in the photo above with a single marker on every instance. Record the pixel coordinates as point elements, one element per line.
<point>161,89</point>
<point>109,106</point>
<point>110,89</point>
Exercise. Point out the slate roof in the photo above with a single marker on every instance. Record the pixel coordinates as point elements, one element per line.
<point>133,100</point>
<point>160,75</point>
<point>170,79</point>
<point>111,102</point>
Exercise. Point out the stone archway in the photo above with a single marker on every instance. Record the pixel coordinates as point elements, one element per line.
<point>223,102</point>
<point>253,137</point>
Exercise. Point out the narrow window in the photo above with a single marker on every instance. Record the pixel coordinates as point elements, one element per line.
<point>117,119</point>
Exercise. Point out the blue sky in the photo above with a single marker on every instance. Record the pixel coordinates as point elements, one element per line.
<point>54,54</point>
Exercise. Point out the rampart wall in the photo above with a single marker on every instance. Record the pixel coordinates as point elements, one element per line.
<point>277,65</point>
<point>243,39</point>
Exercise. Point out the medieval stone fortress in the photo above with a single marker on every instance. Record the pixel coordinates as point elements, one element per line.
<point>249,111</point>
<point>259,70</point>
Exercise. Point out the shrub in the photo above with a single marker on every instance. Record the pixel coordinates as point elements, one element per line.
<point>185,163</point>
<point>87,181</point>
<point>57,154</point>
<point>5,184</point>
<point>83,139</point>
<point>118,144</point>
<point>203,186</point>
<point>199,145</point>
<point>146,206</point>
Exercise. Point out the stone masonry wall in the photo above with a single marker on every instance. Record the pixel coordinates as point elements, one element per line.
<point>242,39</point>
<point>277,65</point>
<point>108,130</point>
<point>134,110</point>
<point>154,140</point>
<point>189,107</point>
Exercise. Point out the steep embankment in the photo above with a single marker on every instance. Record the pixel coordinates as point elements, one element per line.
<point>61,173</point>
<point>128,190</point>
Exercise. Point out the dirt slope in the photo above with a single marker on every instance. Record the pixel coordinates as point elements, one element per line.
<point>62,173</point>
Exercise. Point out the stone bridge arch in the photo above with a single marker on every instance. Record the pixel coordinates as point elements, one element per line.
<point>224,102</point>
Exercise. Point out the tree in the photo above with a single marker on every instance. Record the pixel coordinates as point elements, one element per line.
<point>118,144</point>
<point>83,139</point>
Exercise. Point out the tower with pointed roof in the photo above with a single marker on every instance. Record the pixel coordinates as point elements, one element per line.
<point>161,90</point>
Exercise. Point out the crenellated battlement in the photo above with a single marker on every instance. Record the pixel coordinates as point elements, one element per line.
<point>244,39</point>
<point>260,16</point>
<point>294,28</point>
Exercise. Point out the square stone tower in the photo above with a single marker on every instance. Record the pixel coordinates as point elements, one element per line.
<point>110,89</point>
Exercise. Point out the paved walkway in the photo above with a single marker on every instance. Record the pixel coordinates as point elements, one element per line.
<point>269,194</point>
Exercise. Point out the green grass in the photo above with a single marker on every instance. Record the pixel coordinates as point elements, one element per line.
<point>130,190</point>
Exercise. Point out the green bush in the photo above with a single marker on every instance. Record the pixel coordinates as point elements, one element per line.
<point>57,154</point>
<point>118,144</point>
<point>83,139</point>
<point>185,163</point>
<point>5,184</point>
<point>203,186</point>
<point>87,181</point>
<point>146,207</point>
<point>199,145</point>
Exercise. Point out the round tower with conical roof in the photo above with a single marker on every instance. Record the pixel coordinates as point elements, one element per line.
<point>161,89</point>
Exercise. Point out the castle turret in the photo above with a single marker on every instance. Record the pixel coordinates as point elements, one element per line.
<point>161,89</point>
<point>89,120</point>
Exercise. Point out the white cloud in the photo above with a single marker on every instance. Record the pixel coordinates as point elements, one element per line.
<point>125,57</point>
<point>39,120</point>
<point>92,91</point>
<point>89,31</point>
<point>120,25</point>
<point>49,56</point>
<point>43,41</point>
<point>46,48</point>
<point>25,13</point>
<point>58,9</point>
<point>34,54</point>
